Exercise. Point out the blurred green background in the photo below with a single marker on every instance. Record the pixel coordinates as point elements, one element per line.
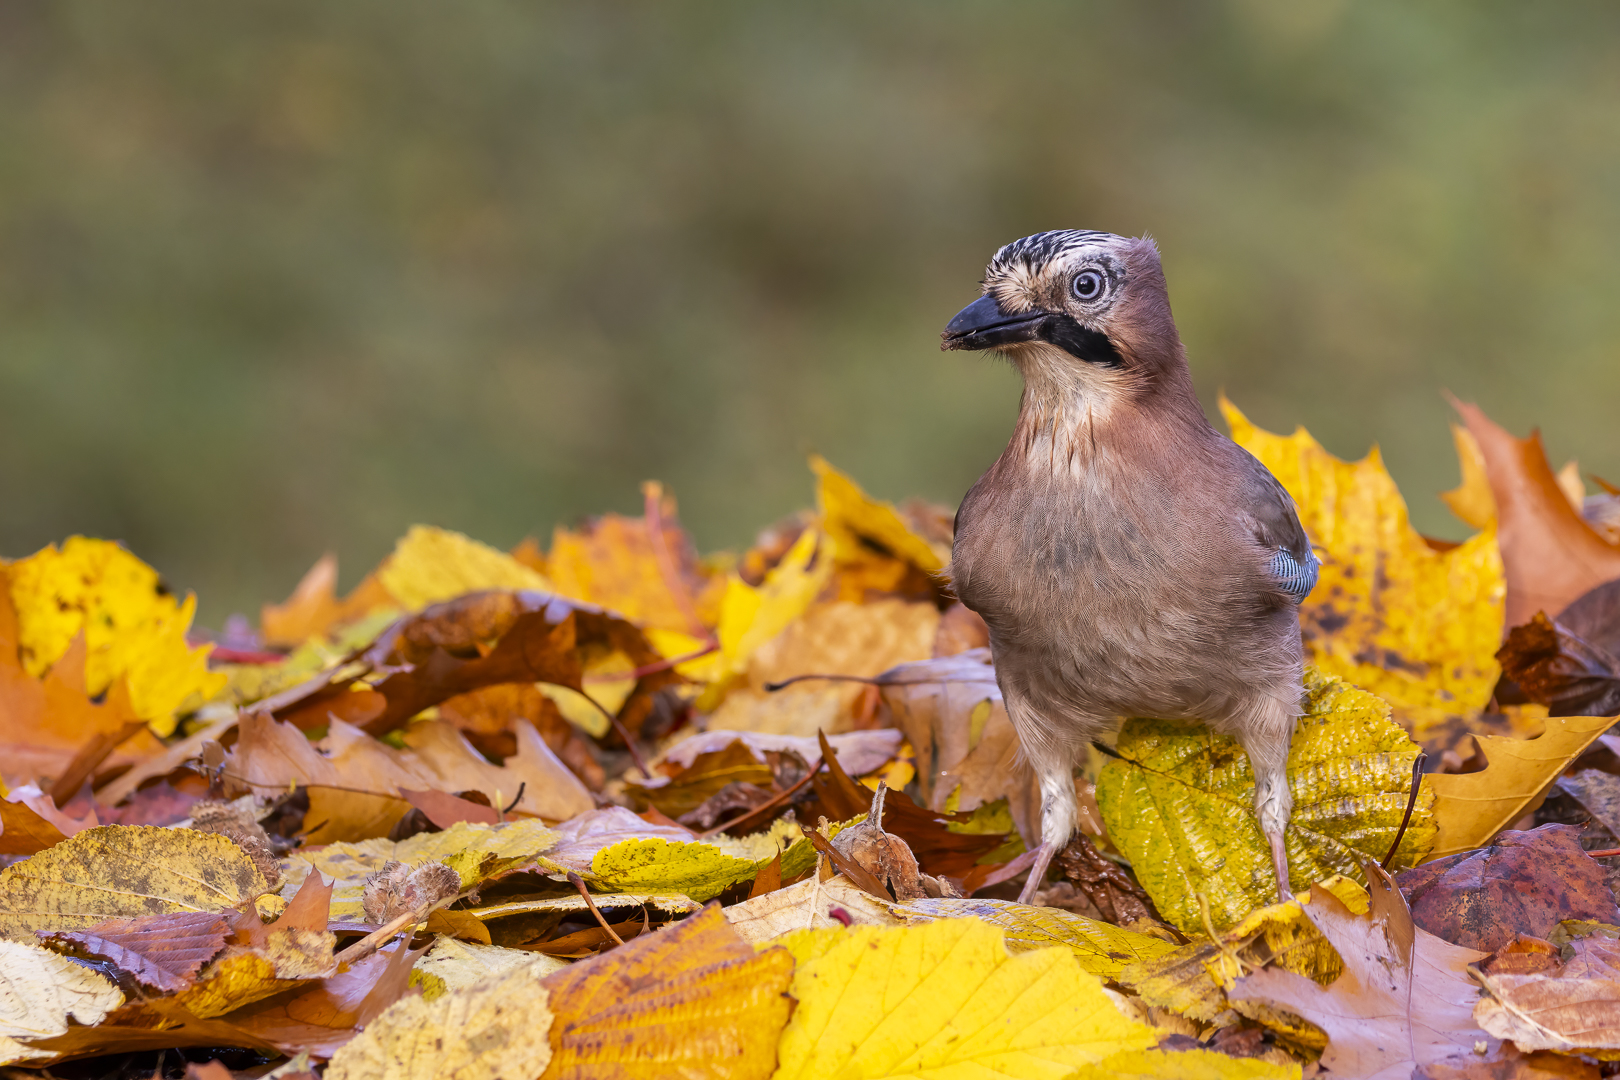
<point>283,278</point>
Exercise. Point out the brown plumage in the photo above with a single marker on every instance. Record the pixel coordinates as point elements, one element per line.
<point>1128,559</point>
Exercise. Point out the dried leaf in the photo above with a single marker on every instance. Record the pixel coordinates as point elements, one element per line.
<point>1570,665</point>
<point>430,565</point>
<point>124,871</point>
<point>693,1000</point>
<point>1551,556</point>
<point>163,952</point>
<point>1574,1007</point>
<point>1415,626</point>
<point>1183,1065</point>
<point>1178,803</point>
<point>133,626</point>
<point>1470,808</point>
<point>270,757</point>
<point>750,616</point>
<point>811,904</point>
<point>611,561</point>
<point>336,814</point>
<point>1101,949</point>
<point>969,1007</point>
<point>1523,883</point>
<point>313,609</point>
<point>1384,1016</point>
<point>494,1029</point>
<point>40,991</point>
<point>455,965</point>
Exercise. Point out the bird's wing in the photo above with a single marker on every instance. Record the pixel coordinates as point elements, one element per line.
<point>1269,511</point>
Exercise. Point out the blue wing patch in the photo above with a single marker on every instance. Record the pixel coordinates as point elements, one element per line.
<point>1295,578</point>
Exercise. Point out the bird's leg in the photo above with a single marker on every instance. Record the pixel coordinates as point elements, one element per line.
<point>1059,812</point>
<point>1266,735</point>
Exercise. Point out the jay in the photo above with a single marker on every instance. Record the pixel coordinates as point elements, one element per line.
<point>1128,559</point>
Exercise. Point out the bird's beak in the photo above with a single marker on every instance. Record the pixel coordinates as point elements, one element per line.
<point>983,325</point>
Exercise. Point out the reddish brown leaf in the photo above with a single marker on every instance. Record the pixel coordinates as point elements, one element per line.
<point>1572,665</point>
<point>445,809</point>
<point>1550,556</point>
<point>1523,883</point>
<point>163,952</point>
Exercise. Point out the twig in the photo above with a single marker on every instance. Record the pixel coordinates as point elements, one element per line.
<point>579,883</point>
<point>654,668</point>
<point>172,758</point>
<point>513,804</point>
<point>1411,801</point>
<point>624,733</point>
<point>378,938</point>
<point>1604,853</point>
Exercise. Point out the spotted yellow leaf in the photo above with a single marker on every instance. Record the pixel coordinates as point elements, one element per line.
<point>1102,948</point>
<point>132,625</point>
<point>124,871</point>
<point>1178,802</point>
<point>1416,626</point>
<point>942,1000</point>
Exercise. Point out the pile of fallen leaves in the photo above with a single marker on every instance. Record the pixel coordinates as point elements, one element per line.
<point>612,808</point>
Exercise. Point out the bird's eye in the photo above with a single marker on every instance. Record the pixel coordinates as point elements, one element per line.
<point>1088,285</point>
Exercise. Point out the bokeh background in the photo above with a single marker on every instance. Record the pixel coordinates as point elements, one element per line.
<point>283,278</point>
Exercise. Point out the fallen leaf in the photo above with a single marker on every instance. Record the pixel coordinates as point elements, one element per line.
<point>44,722</point>
<point>1523,883</point>
<point>1574,1007</point>
<point>858,752</point>
<point>1598,792</point>
<point>945,998</point>
<point>30,822</point>
<point>124,871</point>
<point>450,964</point>
<point>323,1017</point>
<point>1470,808</point>
<point>243,975</point>
<point>494,1029</point>
<point>269,757</point>
<point>967,751</point>
<point>475,852</point>
<point>1551,557</point>
<point>1570,665</point>
<point>430,565</point>
<point>1415,626</point>
<point>1385,1015</point>
<point>1471,500</point>
<point>313,609</point>
<point>612,561</point>
<point>1178,803</point>
<point>693,1000</point>
<point>1193,979</point>
<point>163,952</point>
<point>840,638</point>
<point>40,991</point>
<point>1102,949</point>
<point>875,548</point>
<point>810,904</point>
<point>133,627</point>
<point>1183,1065</point>
<point>336,815</point>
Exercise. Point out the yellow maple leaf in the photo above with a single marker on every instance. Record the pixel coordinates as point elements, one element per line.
<point>942,1000</point>
<point>429,565</point>
<point>1178,802</point>
<point>1416,626</point>
<point>132,625</point>
<point>860,525</point>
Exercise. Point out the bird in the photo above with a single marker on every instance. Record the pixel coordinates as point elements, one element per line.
<point>1127,558</point>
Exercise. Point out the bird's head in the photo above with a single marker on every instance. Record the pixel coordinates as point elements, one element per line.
<point>1086,308</point>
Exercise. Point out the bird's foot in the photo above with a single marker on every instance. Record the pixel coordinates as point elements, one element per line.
<point>1279,863</point>
<point>1037,874</point>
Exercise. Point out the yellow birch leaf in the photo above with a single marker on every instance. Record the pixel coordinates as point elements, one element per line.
<point>1470,808</point>
<point>40,990</point>
<point>856,522</point>
<point>475,852</point>
<point>429,565</point>
<point>451,964</point>
<point>942,1000</point>
<point>1178,803</point>
<point>693,1001</point>
<point>1415,626</point>
<point>1101,948</point>
<point>499,1028</point>
<point>123,872</point>
<point>133,626</point>
<point>1185,1065</point>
